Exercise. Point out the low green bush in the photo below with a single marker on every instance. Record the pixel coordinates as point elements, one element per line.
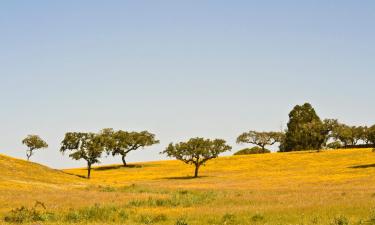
<point>253,150</point>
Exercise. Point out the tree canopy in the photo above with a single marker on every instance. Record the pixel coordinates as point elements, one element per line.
<point>261,139</point>
<point>197,151</point>
<point>86,146</point>
<point>122,142</point>
<point>305,130</point>
<point>33,142</point>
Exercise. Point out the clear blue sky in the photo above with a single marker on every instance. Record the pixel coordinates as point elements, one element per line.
<point>179,69</point>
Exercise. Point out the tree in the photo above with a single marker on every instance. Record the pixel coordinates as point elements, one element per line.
<point>350,135</point>
<point>197,151</point>
<point>261,139</point>
<point>87,146</point>
<point>305,130</point>
<point>122,142</point>
<point>33,142</point>
<point>371,135</point>
<point>253,150</point>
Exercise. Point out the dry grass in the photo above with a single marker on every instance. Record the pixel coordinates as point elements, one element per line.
<point>280,188</point>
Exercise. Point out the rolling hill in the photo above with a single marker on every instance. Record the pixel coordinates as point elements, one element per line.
<point>279,188</point>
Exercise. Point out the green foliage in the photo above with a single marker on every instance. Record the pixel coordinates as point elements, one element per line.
<point>341,220</point>
<point>181,199</point>
<point>87,146</point>
<point>197,151</point>
<point>96,213</point>
<point>122,142</point>
<point>350,135</point>
<point>181,221</point>
<point>152,219</point>
<point>261,139</point>
<point>305,130</point>
<point>33,142</point>
<point>23,214</point>
<point>253,150</point>
<point>257,217</point>
<point>370,135</point>
<point>228,219</point>
<point>334,145</point>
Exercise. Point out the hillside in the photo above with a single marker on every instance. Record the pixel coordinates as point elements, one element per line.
<point>21,173</point>
<point>297,187</point>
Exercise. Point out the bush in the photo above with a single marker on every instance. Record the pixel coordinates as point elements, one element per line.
<point>257,217</point>
<point>334,145</point>
<point>341,220</point>
<point>253,150</point>
<point>180,198</point>
<point>229,219</point>
<point>96,213</point>
<point>147,219</point>
<point>24,214</point>
<point>181,221</point>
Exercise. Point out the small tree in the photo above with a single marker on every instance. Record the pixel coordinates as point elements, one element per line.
<point>33,142</point>
<point>261,139</point>
<point>122,142</point>
<point>197,151</point>
<point>87,146</point>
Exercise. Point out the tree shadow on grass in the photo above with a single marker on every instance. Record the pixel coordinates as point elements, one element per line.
<point>184,178</point>
<point>114,167</point>
<point>77,175</point>
<point>363,166</point>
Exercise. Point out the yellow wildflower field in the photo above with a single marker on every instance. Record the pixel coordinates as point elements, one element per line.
<point>328,187</point>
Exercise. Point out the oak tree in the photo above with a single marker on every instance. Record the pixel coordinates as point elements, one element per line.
<point>33,142</point>
<point>86,146</point>
<point>197,151</point>
<point>261,139</point>
<point>122,142</point>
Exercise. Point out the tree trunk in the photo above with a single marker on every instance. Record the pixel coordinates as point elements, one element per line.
<point>28,155</point>
<point>123,160</point>
<point>88,170</point>
<point>196,171</point>
<point>263,149</point>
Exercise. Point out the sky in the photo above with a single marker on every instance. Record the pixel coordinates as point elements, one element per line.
<point>179,69</point>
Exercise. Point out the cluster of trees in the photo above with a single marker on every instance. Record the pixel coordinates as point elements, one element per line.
<point>91,146</point>
<point>305,131</point>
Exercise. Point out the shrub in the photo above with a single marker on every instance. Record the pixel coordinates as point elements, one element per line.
<point>24,214</point>
<point>96,213</point>
<point>180,198</point>
<point>181,221</point>
<point>334,145</point>
<point>253,150</point>
<point>341,220</point>
<point>228,219</point>
<point>148,219</point>
<point>257,217</point>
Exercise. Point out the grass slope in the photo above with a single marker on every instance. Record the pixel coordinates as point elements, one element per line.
<point>280,188</point>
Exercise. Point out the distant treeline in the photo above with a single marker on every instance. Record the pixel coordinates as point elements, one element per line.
<point>305,131</point>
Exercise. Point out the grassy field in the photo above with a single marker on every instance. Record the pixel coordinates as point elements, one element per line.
<point>330,187</point>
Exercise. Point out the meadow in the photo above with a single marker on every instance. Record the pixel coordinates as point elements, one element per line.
<point>329,187</point>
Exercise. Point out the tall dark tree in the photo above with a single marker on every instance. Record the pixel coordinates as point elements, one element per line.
<point>197,151</point>
<point>261,139</point>
<point>33,142</point>
<point>122,142</point>
<point>86,146</point>
<point>305,130</point>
